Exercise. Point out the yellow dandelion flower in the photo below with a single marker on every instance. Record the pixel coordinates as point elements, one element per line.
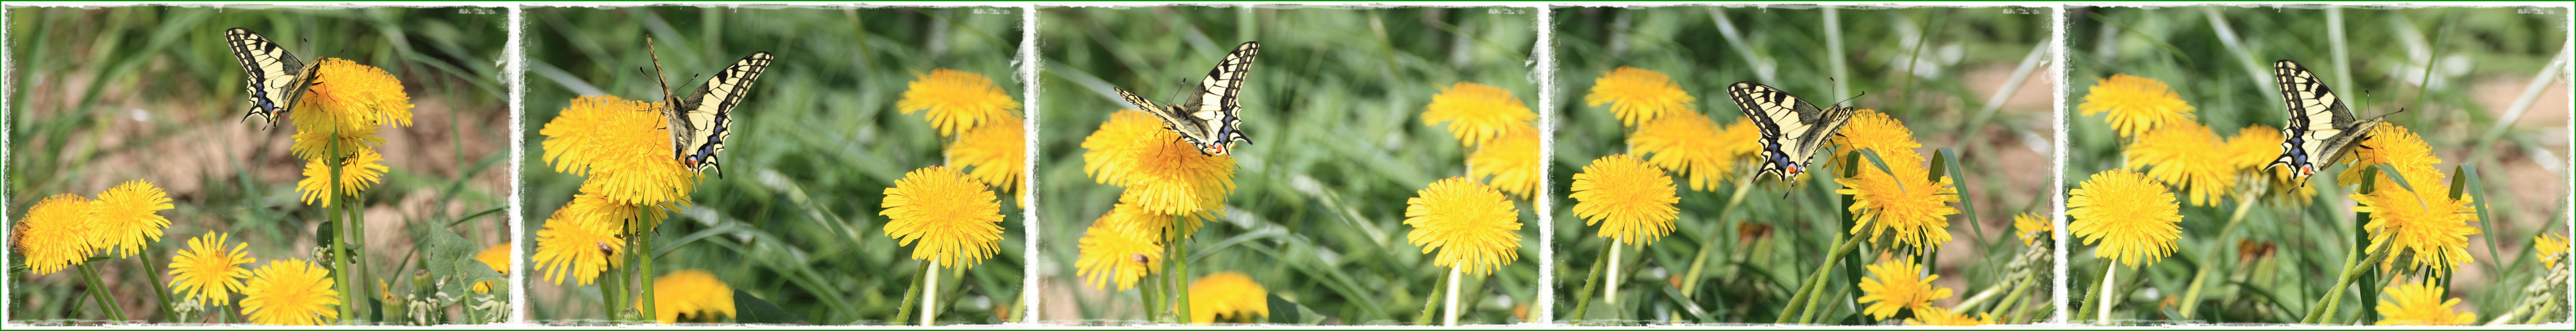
<point>571,246</point>
<point>127,217</point>
<point>347,106</point>
<point>2393,145</point>
<point>1475,228</point>
<point>2136,104</point>
<point>2030,227</point>
<point>2181,154</point>
<point>1936,316</point>
<point>1631,201</point>
<point>953,217</point>
<point>1230,295</point>
<point>690,294</point>
<point>2551,248</point>
<point>2430,229</point>
<point>290,292</point>
<point>1876,131</point>
<point>2253,147</point>
<point>57,233</point>
<point>957,100</point>
<point>497,257</point>
<point>1906,206</point>
<point>1161,227</point>
<point>2129,217</point>
<point>1898,285</point>
<point>1637,95</point>
<point>208,273</point>
<point>994,153</point>
<point>1509,162</point>
<point>1477,113</point>
<point>625,148</point>
<point>1168,176</point>
<point>1693,145</point>
<point>1110,254</point>
<point>2421,304</point>
<point>362,170</point>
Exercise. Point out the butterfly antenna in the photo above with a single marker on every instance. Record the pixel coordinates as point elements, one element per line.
<point>667,98</point>
<point>1856,96</point>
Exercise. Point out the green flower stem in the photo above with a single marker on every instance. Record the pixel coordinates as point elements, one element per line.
<point>2020,289</point>
<point>644,262</point>
<point>1690,279</point>
<point>2109,275</point>
<point>366,271</point>
<point>2210,257</point>
<point>929,293</point>
<point>903,311</point>
<point>612,291</point>
<point>106,302</point>
<point>157,290</point>
<point>1151,293</point>
<point>1181,272</point>
<point>1454,276</point>
<point>1801,305</point>
<point>2094,293</point>
<point>2351,271</point>
<point>1429,305</point>
<point>1583,297</point>
<point>340,257</point>
<point>1610,293</point>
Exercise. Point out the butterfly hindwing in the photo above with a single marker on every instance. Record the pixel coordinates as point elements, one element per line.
<point>1211,118</point>
<point>274,78</point>
<point>705,119</point>
<point>1792,129</point>
<point>2321,129</point>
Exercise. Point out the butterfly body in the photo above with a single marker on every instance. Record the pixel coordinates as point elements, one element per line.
<point>1210,119</point>
<point>274,78</point>
<point>1792,129</point>
<point>2321,129</point>
<point>701,123</point>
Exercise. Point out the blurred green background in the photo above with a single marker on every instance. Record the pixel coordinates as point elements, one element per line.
<point>106,95</point>
<point>1950,100</point>
<point>794,218</point>
<point>1334,104</point>
<point>2484,61</point>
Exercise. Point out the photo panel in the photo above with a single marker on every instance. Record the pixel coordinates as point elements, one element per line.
<point>808,165</point>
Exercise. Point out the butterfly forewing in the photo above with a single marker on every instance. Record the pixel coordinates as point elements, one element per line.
<point>707,115</point>
<point>2320,129</point>
<point>1211,118</point>
<point>1792,129</point>
<point>274,79</point>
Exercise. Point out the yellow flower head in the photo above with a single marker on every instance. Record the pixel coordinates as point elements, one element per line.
<point>2132,219</point>
<point>1475,227</point>
<point>1477,113</point>
<point>2136,104</point>
<point>290,292</point>
<point>2421,304</point>
<point>1509,162</point>
<point>57,233</point>
<point>2393,145</point>
<point>1112,254</point>
<point>1906,206</point>
<point>2186,154</point>
<point>1167,176</point>
<point>954,218</point>
<point>127,217</point>
<point>2551,248</point>
<point>2252,148</point>
<point>994,154</point>
<point>360,171</point>
<point>625,148</point>
<point>572,245</point>
<point>497,257</point>
<point>348,104</point>
<point>695,294</point>
<point>957,100</point>
<point>1637,95</point>
<point>1936,316</point>
<point>1693,145</point>
<point>208,273</point>
<point>1898,285</point>
<point>2030,227</point>
<point>2430,229</point>
<point>1231,295</point>
<point>1631,201</point>
<point>1876,131</point>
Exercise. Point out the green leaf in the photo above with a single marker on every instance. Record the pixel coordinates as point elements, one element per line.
<point>1872,155</point>
<point>1283,311</point>
<point>752,310</point>
<point>451,260</point>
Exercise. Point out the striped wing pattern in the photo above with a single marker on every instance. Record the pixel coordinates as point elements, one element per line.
<point>2321,129</point>
<point>1212,117</point>
<point>1792,129</point>
<point>274,79</point>
<point>706,118</point>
